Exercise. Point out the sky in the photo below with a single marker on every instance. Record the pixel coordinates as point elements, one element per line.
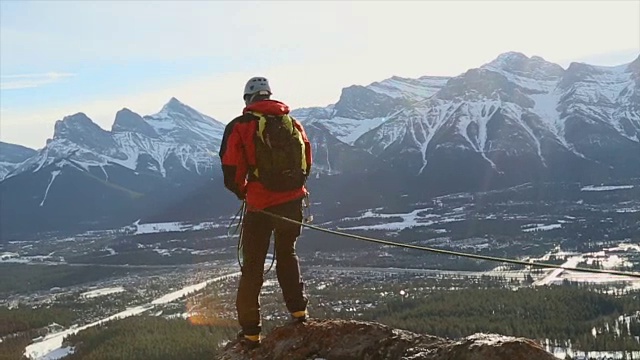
<point>59,58</point>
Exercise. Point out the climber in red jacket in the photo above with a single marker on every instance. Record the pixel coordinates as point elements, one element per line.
<point>266,159</point>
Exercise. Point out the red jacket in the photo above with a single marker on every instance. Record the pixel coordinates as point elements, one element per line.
<point>237,154</point>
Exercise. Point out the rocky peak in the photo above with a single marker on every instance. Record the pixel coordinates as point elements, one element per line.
<point>412,89</point>
<point>129,121</point>
<point>356,340</point>
<point>359,102</point>
<point>178,112</point>
<point>76,125</point>
<point>175,106</point>
<point>577,72</point>
<point>519,64</point>
<point>80,130</point>
<point>509,59</point>
<point>483,84</point>
<point>182,123</point>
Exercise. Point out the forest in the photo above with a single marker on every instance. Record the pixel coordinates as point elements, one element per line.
<point>566,313</point>
<point>149,337</point>
<point>24,278</point>
<point>19,326</point>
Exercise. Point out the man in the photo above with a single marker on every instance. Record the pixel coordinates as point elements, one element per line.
<point>266,159</point>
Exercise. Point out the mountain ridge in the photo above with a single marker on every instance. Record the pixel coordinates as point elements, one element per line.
<point>12,155</point>
<point>515,119</point>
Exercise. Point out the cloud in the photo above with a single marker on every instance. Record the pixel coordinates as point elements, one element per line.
<point>25,81</point>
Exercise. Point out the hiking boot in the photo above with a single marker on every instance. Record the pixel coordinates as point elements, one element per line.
<point>299,317</point>
<point>248,341</point>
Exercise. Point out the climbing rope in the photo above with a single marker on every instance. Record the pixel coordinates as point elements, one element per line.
<point>450,252</point>
<point>239,217</point>
<point>239,228</point>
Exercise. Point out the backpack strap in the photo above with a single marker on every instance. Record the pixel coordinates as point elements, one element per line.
<point>287,121</point>
<point>262,123</point>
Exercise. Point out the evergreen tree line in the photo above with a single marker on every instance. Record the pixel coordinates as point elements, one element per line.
<point>24,319</point>
<point>148,337</point>
<point>23,278</point>
<point>12,347</point>
<point>566,313</point>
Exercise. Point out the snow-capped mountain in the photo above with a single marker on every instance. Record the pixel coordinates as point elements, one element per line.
<point>177,138</point>
<point>11,156</point>
<point>511,120</point>
<point>144,166</point>
<point>515,119</point>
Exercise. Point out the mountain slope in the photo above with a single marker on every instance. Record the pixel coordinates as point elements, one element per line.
<point>11,156</point>
<point>143,167</point>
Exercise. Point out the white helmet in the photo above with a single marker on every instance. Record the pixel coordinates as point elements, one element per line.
<point>257,86</point>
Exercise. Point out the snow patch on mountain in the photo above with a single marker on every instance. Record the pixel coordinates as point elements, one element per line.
<point>431,120</point>
<point>349,130</point>
<point>413,89</point>
<point>54,175</point>
<point>133,145</point>
<point>527,83</point>
<point>611,81</point>
<point>316,112</point>
<point>475,112</point>
<point>546,107</point>
<point>388,133</point>
<point>516,113</point>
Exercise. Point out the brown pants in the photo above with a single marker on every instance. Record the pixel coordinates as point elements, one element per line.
<point>256,236</point>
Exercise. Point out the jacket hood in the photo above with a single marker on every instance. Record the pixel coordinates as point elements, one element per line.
<point>268,107</point>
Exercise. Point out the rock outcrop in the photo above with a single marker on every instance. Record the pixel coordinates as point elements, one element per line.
<point>357,340</point>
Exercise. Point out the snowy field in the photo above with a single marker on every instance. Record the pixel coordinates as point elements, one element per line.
<point>426,217</point>
<point>400,221</point>
<point>606,188</point>
<point>541,227</point>
<point>607,258</point>
<point>12,257</point>
<point>102,292</point>
<point>153,228</point>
